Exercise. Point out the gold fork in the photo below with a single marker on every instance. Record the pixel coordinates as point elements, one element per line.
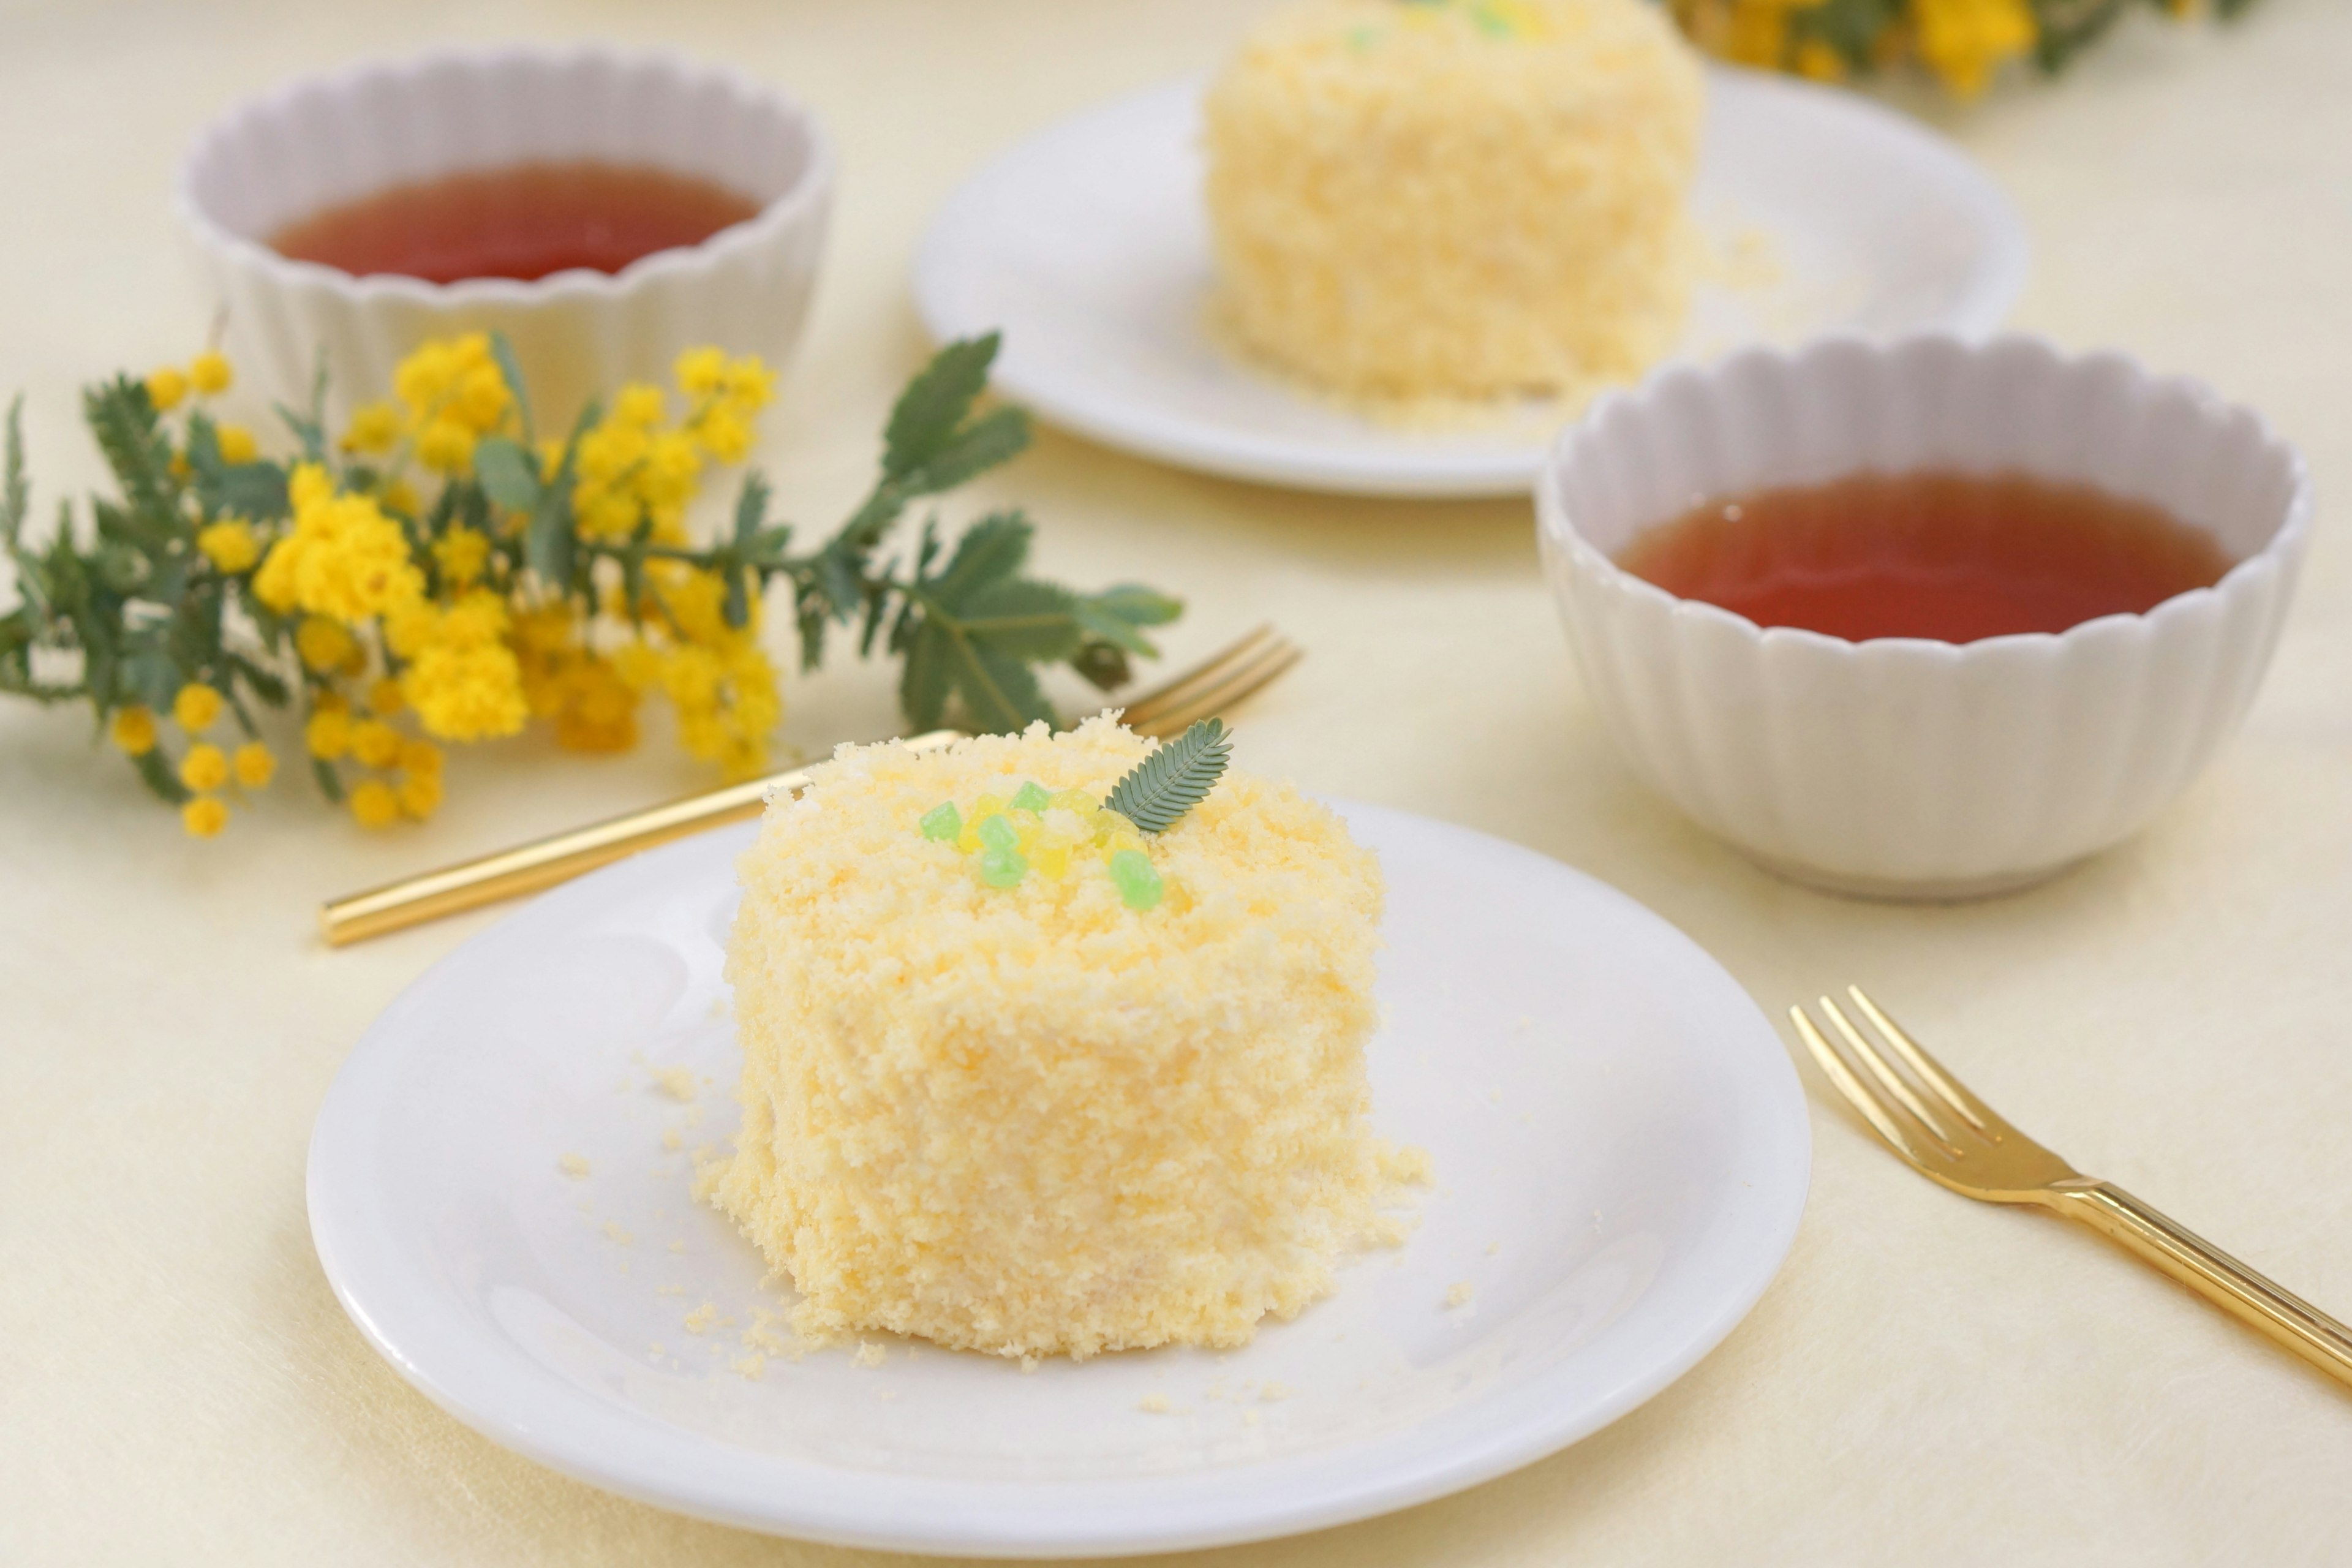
<point>1951,1136</point>
<point>1210,688</point>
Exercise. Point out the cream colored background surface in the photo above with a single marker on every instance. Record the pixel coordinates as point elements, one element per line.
<point>1929,1380</point>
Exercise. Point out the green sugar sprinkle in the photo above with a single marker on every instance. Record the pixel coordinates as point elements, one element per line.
<point>1032,798</point>
<point>995,833</point>
<point>943,824</point>
<point>1002,868</point>
<point>1139,885</point>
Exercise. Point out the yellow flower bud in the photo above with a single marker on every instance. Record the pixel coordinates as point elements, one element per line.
<point>229,544</point>
<point>640,403</point>
<point>195,708</point>
<point>236,444</point>
<point>204,817</point>
<point>323,643</point>
<point>750,383</point>
<point>328,735</point>
<point>375,804</point>
<point>254,765</point>
<point>205,767</point>
<point>134,731</point>
<point>725,436</point>
<point>165,388</point>
<point>461,553</point>
<point>420,795</point>
<point>701,372</point>
<point>400,496</point>
<point>481,399</point>
<point>445,446</point>
<point>376,742</point>
<point>420,757</point>
<point>384,697</point>
<point>375,426</point>
<point>209,372</point>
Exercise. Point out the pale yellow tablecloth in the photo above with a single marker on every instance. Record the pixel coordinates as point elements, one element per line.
<point>1928,1380</point>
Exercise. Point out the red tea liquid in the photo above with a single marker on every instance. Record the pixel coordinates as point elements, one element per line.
<point>1948,556</point>
<point>524,221</point>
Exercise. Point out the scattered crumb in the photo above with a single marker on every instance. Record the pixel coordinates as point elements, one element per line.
<point>1458,1294</point>
<point>1408,1165</point>
<point>575,1166</point>
<point>703,1154</point>
<point>624,1266</point>
<point>1492,1248</point>
<point>762,1332</point>
<point>1217,1390</point>
<point>701,1318</point>
<point>1249,1418</point>
<point>749,1368</point>
<point>886,1394</point>
<point>1273,1393</point>
<point>1523,1023</point>
<point>1028,1364</point>
<point>656,1351</point>
<point>676,1082</point>
<point>1596,1219</point>
<point>869,1353</point>
<point>1494,1096</point>
<point>673,1140</point>
<point>615,1235</point>
<point>677,1247</point>
<point>585,1205</point>
<point>1154,1405</point>
<point>669,1289</point>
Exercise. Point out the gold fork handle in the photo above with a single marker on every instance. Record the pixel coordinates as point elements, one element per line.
<point>528,868</point>
<point>2211,1272</point>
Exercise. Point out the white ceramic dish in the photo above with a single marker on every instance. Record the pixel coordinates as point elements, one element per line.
<point>1621,1153</point>
<point>1902,767</point>
<point>325,140</point>
<point>1087,244</point>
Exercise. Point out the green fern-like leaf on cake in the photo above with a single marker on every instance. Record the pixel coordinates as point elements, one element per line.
<point>1175,779</point>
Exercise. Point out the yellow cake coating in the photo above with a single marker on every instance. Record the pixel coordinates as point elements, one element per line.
<point>1456,198</point>
<point>1033,1119</point>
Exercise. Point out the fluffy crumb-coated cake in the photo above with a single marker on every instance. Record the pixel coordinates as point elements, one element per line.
<point>1456,198</point>
<point>1072,1112</point>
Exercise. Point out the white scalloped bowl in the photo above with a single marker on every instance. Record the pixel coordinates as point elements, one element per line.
<point>322,140</point>
<point>1902,767</point>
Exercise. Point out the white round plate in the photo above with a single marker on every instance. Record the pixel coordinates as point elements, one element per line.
<point>1621,1153</point>
<point>1087,246</point>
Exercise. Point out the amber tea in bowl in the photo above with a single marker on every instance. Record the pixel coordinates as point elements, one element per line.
<point>1930,618</point>
<point>525,221</point>
<point>1937,553</point>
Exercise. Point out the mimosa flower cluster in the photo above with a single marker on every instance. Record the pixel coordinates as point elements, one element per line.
<point>1963,44</point>
<point>436,574</point>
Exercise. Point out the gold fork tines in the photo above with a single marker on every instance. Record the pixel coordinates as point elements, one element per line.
<point>1223,681</point>
<point>1930,1119</point>
<point>1234,675</point>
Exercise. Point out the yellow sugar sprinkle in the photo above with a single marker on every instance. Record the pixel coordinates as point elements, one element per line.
<point>574,1167</point>
<point>676,1082</point>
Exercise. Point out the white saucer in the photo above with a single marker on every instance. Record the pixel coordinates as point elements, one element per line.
<point>1086,244</point>
<point>1621,1152</point>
